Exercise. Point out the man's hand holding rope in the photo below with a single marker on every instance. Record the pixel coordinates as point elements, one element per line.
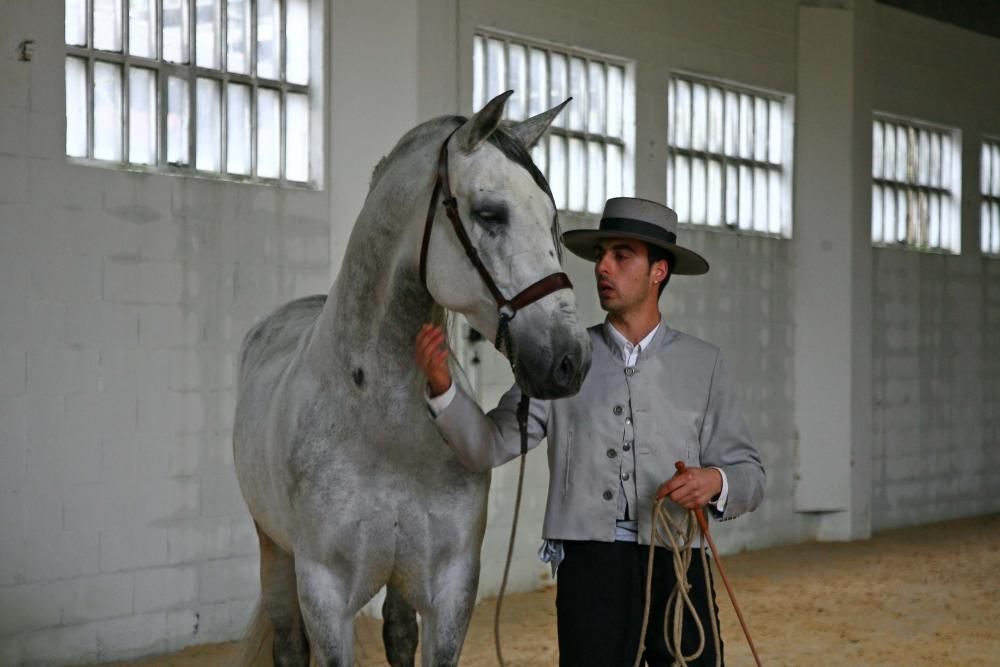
<point>692,489</point>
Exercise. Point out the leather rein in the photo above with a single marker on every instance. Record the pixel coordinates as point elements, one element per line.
<point>507,308</point>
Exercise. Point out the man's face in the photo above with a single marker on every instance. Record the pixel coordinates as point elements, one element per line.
<point>624,276</point>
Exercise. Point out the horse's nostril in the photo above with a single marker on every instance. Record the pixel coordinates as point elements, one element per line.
<point>566,370</point>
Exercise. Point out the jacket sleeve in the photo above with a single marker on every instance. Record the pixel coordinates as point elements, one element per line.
<point>486,440</point>
<point>726,444</point>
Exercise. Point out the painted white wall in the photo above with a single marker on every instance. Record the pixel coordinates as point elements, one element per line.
<point>125,297</point>
<point>936,373</point>
<point>123,302</point>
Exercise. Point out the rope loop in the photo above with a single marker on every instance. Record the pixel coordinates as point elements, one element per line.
<point>677,535</point>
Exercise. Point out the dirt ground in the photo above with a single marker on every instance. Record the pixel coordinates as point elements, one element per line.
<point>920,596</point>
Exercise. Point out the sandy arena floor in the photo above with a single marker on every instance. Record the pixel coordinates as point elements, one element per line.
<point>919,596</point>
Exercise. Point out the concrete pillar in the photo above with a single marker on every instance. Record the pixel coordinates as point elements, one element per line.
<point>833,258</point>
<point>379,89</point>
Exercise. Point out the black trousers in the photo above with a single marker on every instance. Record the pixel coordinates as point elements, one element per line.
<point>600,597</point>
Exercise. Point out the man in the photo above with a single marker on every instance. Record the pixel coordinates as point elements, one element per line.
<point>653,396</point>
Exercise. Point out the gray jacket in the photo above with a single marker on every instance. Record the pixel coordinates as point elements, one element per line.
<point>681,405</point>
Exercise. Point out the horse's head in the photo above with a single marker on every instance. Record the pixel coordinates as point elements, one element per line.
<point>505,207</point>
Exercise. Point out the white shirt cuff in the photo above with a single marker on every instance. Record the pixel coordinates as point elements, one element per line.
<point>720,504</point>
<point>438,404</point>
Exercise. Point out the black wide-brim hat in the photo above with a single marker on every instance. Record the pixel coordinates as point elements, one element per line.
<point>642,220</point>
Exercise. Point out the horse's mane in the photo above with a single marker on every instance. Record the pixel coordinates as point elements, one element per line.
<point>507,143</point>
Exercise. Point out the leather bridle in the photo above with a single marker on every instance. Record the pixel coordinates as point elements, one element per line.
<point>507,308</point>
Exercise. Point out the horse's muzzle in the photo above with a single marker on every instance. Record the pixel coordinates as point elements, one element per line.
<point>564,375</point>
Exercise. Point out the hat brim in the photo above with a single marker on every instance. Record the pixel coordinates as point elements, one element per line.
<point>581,243</point>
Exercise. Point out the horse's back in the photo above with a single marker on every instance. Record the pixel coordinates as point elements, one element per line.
<point>276,337</point>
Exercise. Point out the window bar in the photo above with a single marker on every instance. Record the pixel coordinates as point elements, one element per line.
<point>283,130</point>
<point>88,19</point>
<point>724,163</point>
<point>224,91</point>
<point>254,135</point>
<point>89,75</point>
<point>162,105</point>
<point>546,100</point>
<point>885,158</point>
<point>252,40</point>
<point>252,44</point>
<point>161,88</point>
<point>507,83</point>
<point>126,69</point>
<point>753,171</point>
<point>126,113</point>
<point>223,42</point>
<point>224,125</point>
<point>671,129</point>
<point>585,146</point>
<point>734,159</point>
<point>192,86</point>
<point>283,96</point>
<point>881,197</point>
<point>763,225</point>
<point>283,44</point>
<point>690,144</point>
<point>158,38</point>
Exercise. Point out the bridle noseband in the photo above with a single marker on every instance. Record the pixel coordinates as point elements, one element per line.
<point>507,308</point>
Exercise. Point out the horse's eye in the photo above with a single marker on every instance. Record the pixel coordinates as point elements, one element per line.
<point>491,216</point>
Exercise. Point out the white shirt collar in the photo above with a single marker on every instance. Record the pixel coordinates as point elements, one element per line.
<point>629,351</point>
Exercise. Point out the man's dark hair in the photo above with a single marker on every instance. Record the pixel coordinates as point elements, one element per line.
<point>655,253</point>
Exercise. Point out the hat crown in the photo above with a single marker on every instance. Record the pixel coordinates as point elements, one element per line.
<point>642,210</point>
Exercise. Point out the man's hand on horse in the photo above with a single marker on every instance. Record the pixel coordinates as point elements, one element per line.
<point>693,488</point>
<point>432,358</point>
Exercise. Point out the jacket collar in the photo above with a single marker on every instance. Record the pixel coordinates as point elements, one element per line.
<point>663,336</point>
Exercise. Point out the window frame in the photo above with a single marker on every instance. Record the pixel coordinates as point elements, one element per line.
<point>191,72</point>
<point>986,198</point>
<point>784,168</point>
<point>953,198</point>
<point>626,143</point>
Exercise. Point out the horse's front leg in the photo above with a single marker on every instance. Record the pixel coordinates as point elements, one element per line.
<point>446,620</point>
<point>328,620</point>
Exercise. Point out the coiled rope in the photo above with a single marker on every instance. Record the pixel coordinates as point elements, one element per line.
<point>678,536</point>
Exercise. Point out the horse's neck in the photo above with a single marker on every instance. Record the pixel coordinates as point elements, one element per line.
<point>377,304</point>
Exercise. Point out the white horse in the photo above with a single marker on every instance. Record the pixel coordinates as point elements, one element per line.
<point>350,485</point>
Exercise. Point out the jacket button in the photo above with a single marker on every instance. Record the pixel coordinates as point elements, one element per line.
<point>630,371</point>
<point>618,410</point>
<point>625,477</point>
<point>627,446</point>
<point>608,495</point>
<point>612,453</point>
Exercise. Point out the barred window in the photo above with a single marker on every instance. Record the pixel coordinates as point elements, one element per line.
<point>989,188</point>
<point>587,155</point>
<point>729,156</point>
<point>916,184</point>
<point>212,87</point>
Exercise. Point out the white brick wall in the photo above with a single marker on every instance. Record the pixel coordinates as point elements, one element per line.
<point>120,321</point>
<point>935,374</point>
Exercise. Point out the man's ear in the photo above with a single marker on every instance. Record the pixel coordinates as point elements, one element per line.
<point>660,269</point>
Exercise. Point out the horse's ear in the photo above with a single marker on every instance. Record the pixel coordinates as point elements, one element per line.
<point>529,131</point>
<point>478,128</point>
